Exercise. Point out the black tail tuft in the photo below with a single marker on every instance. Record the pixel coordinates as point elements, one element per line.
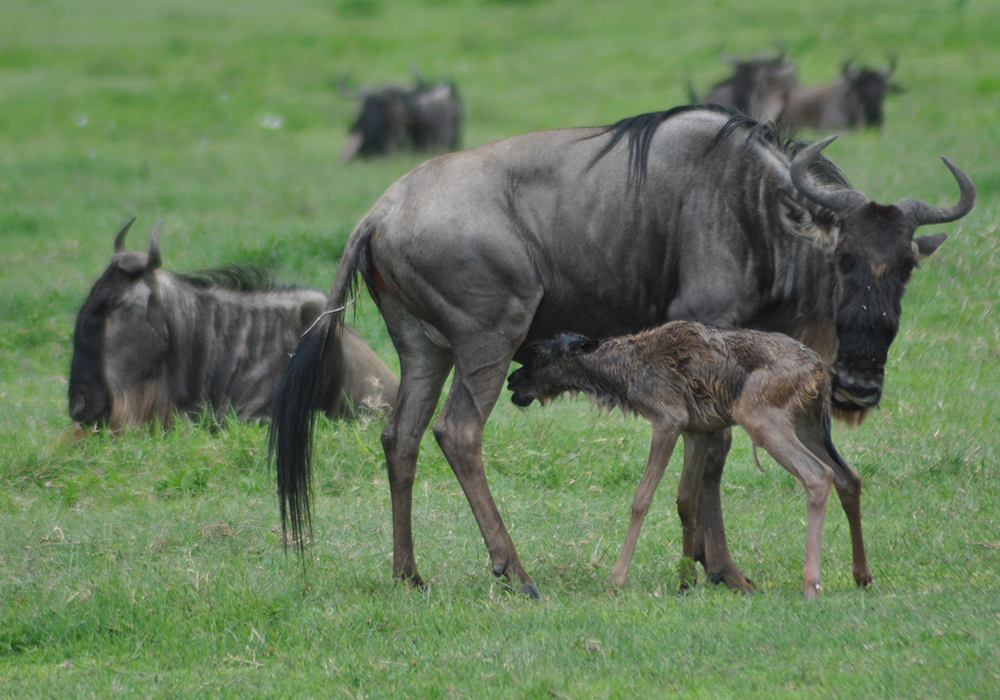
<point>300,394</point>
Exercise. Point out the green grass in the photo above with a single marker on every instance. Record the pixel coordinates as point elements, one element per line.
<point>153,565</point>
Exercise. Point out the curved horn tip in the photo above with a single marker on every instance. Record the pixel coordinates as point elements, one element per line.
<point>120,236</point>
<point>964,181</point>
<point>813,149</point>
<point>826,142</point>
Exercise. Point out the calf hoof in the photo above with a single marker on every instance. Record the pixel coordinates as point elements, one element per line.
<point>811,591</point>
<point>616,582</point>
<point>864,579</point>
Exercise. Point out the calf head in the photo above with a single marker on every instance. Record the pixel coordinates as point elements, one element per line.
<point>120,333</point>
<point>544,376</point>
<point>874,252</point>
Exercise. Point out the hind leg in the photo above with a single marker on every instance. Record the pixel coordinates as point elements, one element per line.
<point>459,432</point>
<point>846,480</point>
<point>424,366</point>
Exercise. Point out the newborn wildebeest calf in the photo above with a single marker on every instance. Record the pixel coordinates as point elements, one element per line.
<point>690,378</point>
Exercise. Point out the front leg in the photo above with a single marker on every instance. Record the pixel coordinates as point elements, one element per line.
<point>664,439</point>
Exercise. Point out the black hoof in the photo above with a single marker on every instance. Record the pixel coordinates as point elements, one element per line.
<point>529,590</point>
<point>499,568</point>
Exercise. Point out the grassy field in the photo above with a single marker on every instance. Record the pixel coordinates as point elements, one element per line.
<point>152,565</point>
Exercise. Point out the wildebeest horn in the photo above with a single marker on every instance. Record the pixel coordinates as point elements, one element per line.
<point>891,68</point>
<point>841,201</point>
<point>154,247</point>
<point>120,238</point>
<point>921,213</point>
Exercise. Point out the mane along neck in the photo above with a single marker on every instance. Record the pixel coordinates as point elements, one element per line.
<point>605,376</point>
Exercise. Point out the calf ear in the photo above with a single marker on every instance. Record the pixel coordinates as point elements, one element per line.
<point>799,222</point>
<point>925,246</point>
<point>579,345</point>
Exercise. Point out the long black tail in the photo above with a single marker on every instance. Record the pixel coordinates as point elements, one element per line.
<point>299,396</point>
<point>314,374</point>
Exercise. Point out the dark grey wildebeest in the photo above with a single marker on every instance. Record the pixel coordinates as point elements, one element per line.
<point>758,87</point>
<point>694,213</point>
<point>686,378</point>
<point>853,101</point>
<point>426,118</point>
<point>149,344</point>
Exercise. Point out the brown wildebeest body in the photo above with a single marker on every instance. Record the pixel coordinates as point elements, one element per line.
<point>150,343</point>
<point>694,213</point>
<point>426,118</point>
<point>687,378</point>
<point>853,101</point>
<point>759,87</point>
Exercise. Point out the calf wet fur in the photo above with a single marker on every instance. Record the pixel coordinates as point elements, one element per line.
<point>690,379</point>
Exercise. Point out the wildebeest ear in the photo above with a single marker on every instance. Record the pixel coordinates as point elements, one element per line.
<point>799,222</point>
<point>577,344</point>
<point>925,246</point>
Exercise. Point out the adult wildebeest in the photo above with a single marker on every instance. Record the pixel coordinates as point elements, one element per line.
<point>687,378</point>
<point>852,101</point>
<point>149,343</point>
<point>424,119</point>
<point>694,213</point>
<point>758,87</point>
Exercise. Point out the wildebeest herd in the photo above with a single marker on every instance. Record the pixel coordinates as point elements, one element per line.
<point>565,251</point>
<point>767,88</point>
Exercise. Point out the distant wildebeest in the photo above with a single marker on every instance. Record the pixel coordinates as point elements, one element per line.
<point>758,87</point>
<point>852,101</point>
<point>149,344</point>
<point>696,213</point>
<point>685,378</point>
<point>427,118</point>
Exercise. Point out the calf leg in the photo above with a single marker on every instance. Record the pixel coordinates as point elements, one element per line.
<point>696,447</point>
<point>846,480</point>
<point>664,439</point>
<point>776,435</point>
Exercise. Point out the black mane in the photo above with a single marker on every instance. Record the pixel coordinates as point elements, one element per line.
<point>640,130</point>
<point>237,278</point>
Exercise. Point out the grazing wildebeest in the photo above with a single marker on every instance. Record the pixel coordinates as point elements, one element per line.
<point>694,213</point>
<point>426,118</point>
<point>852,101</point>
<point>758,87</point>
<point>684,377</point>
<point>149,343</point>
